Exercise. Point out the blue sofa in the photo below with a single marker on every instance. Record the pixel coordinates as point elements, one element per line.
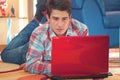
<point>94,14</point>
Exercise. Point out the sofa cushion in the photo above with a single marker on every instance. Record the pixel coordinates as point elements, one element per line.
<point>77,4</point>
<point>112,5</point>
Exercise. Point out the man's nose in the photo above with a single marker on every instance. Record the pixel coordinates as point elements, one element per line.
<point>60,23</point>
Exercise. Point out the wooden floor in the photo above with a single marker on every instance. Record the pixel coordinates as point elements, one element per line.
<point>114,68</point>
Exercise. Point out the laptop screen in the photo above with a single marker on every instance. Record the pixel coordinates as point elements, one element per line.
<point>80,55</point>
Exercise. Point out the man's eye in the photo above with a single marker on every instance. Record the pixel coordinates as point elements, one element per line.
<point>64,18</point>
<point>55,18</point>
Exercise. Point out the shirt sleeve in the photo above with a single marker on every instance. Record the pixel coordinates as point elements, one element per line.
<point>85,30</point>
<point>35,56</point>
<point>80,28</point>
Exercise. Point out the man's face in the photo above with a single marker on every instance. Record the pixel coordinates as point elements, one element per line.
<point>59,21</point>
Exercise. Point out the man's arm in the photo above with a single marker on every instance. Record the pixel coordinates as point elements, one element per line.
<point>35,57</point>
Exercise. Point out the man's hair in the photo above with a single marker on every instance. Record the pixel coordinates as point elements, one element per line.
<point>62,5</point>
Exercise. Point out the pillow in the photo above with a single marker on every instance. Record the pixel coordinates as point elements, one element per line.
<point>112,5</point>
<point>8,67</point>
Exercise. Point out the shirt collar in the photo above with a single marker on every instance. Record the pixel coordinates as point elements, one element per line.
<point>69,31</point>
<point>51,33</point>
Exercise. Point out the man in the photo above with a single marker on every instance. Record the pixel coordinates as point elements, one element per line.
<point>16,50</point>
<point>59,23</point>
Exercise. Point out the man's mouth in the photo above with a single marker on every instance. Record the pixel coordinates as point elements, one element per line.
<point>59,30</point>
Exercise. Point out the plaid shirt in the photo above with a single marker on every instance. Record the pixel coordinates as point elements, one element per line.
<point>39,51</point>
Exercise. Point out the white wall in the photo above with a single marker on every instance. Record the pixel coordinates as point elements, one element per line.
<point>23,9</point>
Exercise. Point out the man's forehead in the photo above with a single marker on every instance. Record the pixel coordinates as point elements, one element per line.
<point>59,12</point>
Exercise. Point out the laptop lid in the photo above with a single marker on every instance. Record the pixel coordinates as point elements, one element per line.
<point>80,56</point>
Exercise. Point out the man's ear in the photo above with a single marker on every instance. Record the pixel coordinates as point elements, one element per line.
<point>48,19</point>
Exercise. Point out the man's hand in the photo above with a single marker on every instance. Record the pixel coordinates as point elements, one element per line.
<point>22,66</point>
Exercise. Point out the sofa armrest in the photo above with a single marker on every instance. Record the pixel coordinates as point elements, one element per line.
<point>112,19</point>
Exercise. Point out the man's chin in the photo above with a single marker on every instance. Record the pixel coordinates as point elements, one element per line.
<point>60,35</point>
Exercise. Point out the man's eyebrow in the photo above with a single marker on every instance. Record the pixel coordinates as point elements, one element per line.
<point>65,17</point>
<point>54,16</point>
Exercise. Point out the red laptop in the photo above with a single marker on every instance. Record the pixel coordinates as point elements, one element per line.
<point>80,56</point>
